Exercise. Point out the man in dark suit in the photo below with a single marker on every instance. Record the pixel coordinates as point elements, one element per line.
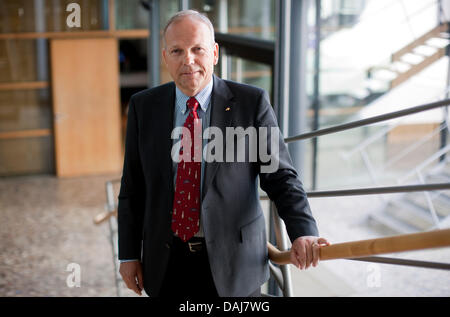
<point>189,225</point>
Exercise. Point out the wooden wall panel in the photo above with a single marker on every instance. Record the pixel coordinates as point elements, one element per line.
<point>86,106</point>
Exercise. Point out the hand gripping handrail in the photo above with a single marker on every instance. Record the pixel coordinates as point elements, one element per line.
<point>362,248</point>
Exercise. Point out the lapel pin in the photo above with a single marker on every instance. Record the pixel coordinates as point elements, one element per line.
<point>227,109</point>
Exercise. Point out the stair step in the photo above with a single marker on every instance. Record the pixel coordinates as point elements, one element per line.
<point>409,216</point>
<point>390,223</point>
<point>447,166</point>
<point>425,50</point>
<point>374,84</point>
<point>443,197</point>
<point>384,74</point>
<point>411,58</point>
<point>400,67</point>
<point>437,42</point>
<point>441,167</point>
<point>438,178</point>
<point>440,203</point>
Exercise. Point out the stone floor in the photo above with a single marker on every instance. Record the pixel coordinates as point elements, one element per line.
<point>47,224</point>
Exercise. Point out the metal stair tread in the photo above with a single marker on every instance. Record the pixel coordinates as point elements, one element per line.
<point>400,66</point>
<point>412,58</point>
<point>437,42</point>
<point>376,85</point>
<point>410,215</point>
<point>391,223</point>
<point>424,50</point>
<point>440,203</point>
<point>438,178</point>
<point>384,74</point>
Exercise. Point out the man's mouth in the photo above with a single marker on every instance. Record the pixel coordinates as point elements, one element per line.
<point>190,73</point>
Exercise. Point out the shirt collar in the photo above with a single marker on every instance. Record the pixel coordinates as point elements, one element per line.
<point>203,98</point>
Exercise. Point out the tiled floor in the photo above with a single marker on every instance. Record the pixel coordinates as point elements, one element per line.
<point>46,224</point>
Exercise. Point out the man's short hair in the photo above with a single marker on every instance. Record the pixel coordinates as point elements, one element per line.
<point>193,14</point>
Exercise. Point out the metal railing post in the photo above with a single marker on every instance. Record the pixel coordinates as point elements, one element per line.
<point>112,223</point>
<point>153,48</point>
<point>282,243</point>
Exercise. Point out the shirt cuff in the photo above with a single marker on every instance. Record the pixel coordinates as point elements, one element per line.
<point>123,261</point>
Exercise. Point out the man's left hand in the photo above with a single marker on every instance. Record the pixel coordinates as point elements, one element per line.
<point>305,251</point>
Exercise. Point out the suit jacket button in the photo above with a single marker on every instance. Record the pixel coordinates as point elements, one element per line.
<point>167,246</point>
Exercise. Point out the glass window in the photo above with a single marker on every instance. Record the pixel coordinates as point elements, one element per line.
<point>25,110</point>
<point>50,15</point>
<point>133,14</point>
<point>20,156</point>
<point>23,60</point>
<point>249,72</point>
<point>356,80</point>
<point>254,18</point>
<point>356,50</point>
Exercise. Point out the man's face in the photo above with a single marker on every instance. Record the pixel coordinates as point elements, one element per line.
<point>190,55</point>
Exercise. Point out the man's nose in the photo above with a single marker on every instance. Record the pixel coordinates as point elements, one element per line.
<point>188,58</point>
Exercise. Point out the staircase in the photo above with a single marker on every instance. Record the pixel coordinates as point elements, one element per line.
<point>410,212</point>
<point>411,59</point>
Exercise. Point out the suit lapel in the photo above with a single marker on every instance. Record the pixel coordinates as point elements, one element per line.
<point>221,117</point>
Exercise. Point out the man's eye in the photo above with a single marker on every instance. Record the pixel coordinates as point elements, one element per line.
<point>176,51</point>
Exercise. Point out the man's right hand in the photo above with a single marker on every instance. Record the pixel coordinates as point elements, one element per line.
<point>132,275</point>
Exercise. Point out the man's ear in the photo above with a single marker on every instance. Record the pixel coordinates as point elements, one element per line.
<point>216,53</point>
<point>164,56</point>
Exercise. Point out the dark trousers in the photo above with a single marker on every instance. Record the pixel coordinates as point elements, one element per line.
<point>188,273</point>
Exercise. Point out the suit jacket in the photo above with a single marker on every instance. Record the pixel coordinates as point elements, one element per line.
<point>231,215</point>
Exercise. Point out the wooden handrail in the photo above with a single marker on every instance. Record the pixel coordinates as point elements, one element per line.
<point>353,249</point>
<point>362,248</point>
<point>103,216</point>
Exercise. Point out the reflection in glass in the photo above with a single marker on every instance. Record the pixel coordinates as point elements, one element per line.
<point>23,60</point>
<point>249,72</point>
<point>357,69</point>
<point>21,156</point>
<point>254,18</point>
<point>131,14</point>
<point>134,14</point>
<point>50,15</point>
<point>24,110</point>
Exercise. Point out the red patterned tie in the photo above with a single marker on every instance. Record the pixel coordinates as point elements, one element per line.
<point>186,201</point>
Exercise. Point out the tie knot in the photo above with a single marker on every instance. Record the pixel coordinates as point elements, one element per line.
<point>193,104</point>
